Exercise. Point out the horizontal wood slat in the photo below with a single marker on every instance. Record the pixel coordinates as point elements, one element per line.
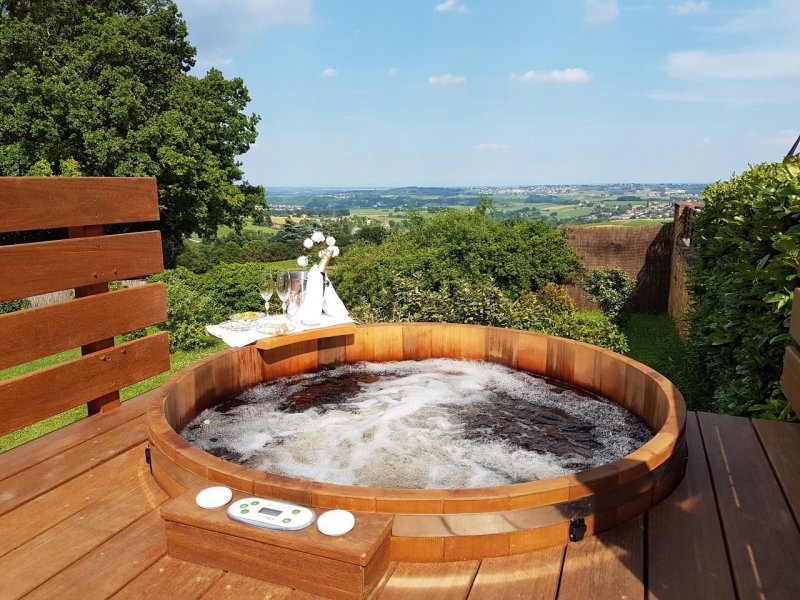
<point>790,381</point>
<point>54,328</point>
<point>29,203</point>
<point>31,398</point>
<point>794,326</point>
<point>41,267</point>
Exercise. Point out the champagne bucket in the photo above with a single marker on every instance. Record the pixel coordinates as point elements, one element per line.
<point>297,281</point>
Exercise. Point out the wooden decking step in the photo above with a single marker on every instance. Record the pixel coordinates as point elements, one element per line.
<point>347,567</point>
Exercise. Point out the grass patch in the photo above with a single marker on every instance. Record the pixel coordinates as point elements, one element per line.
<point>178,361</point>
<point>654,341</point>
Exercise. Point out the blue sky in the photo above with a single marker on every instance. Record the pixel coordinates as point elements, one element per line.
<point>503,92</point>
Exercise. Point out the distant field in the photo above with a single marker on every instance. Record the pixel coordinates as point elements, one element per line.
<point>282,265</point>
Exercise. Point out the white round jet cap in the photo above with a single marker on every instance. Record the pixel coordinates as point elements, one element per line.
<point>214,497</point>
<point>336,522</point>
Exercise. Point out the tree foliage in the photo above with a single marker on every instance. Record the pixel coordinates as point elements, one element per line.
<point>612,288</point>
<point>748,256</point>
<point>102,88</point>
<point>459,245</point>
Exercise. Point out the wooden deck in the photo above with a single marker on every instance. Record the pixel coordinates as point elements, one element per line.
<point>79,518</point>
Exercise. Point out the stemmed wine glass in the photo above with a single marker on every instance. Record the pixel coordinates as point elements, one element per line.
<point>266,284</point>
<point>282,288</point>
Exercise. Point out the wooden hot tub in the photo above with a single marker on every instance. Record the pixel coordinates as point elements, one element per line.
<point>447,524</point>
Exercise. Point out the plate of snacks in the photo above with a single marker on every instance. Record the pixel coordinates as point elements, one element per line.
<point>237,325</point>
<point>247,316</point>
<point>275,328</point>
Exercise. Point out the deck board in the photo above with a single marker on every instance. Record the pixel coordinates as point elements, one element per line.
<point>760,532</point>
<point>37,516</point>
<point>171,578</point>
<point>239,587</point>
<point>52,472</point>
<point>686,550</point>
<point>531,576</point>
<point>105,537</point>
<point>36,561</point>
<point>782,445</point>
<point>24,457</point>
<point>112,565</point>
<point>443,581</point>
<point>609,565</point>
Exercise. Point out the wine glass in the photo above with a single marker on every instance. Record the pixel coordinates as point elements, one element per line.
<point>282,289</point>
<point>265,286</point>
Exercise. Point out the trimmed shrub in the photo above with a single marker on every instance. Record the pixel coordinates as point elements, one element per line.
<point>747,256</point>
<point>188,312</point>
<point>550,311</point>
<point>14,305</point>
<point>231,288</point>
<point>612,288</point>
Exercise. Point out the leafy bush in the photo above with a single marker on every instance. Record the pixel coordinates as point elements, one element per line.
<point>194,301</point>
<point>248,246</point>
<point>550,311</point>
<point>231,288</point>
<point>188,312</point>
<point>747,258</point>
<point>612,288</point>
<point>515,255</point>
<point>552,298</point>
<point>14,305</point>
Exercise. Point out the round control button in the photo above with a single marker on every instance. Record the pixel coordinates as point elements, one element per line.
<point>213,497</point>
<point>254,502</point>
<point>243,505</point>
<point>296,511</point>
<point>336,522</point>
<point>287,520</point>
<point>245,511</point>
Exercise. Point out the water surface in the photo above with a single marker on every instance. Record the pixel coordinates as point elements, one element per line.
<point>437,423</point>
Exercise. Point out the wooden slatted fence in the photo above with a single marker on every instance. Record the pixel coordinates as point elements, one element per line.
<point>87,261</point>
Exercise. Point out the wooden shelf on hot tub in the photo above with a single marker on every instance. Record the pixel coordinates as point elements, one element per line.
<point>351,566</point>
<point>277,341</point>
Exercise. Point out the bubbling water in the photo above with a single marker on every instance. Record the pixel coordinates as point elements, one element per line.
<point>437,423</point>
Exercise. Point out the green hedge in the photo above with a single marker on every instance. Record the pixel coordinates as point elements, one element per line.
<point>195,300</point>
<point>748,254</point>
<point>550,311</point>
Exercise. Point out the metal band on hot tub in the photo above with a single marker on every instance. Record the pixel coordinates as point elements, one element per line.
<point>487,523</point>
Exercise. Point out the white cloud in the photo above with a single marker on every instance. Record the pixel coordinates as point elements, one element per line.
<point>750,65</point>
<point>729,95</point>
<point>447,79</point>
<point>392,72</point>
<point>215,24</point>
<point>329,72</point>
<point>601,11</point>
<point>452,6</point>
<point>571,75</point>
<point>491,146</point>
<point>690,7</point>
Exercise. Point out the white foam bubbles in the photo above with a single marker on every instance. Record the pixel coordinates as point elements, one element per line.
<point>438,423</point>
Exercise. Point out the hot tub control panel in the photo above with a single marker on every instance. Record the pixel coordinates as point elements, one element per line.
<point>270,514</point>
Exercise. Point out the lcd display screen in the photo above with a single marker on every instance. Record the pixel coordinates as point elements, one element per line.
<point>270,511</point>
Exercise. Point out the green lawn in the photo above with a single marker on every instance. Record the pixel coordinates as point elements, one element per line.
<point>178,361</point>
<point>654,341</point>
